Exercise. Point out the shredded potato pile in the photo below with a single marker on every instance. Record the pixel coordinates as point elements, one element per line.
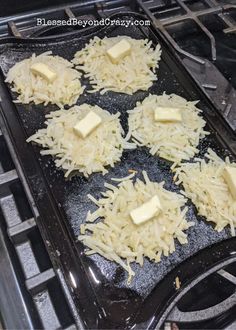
<point>204,184</point>
<point>103,147</point>
<point>117,238</point>
<point>65,89</point>
<point>172,141</point>
<point>134,72</point>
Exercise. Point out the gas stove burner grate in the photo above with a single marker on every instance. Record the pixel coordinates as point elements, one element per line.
<point>16,28</point>
<point>224,272</point>
<point>31,287</point>
<point>214,8</point>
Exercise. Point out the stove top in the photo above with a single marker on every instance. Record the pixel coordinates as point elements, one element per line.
<point>31,296</point>
<point>203,35</point>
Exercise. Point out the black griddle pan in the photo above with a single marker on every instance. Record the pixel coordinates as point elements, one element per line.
<point>99,287</point>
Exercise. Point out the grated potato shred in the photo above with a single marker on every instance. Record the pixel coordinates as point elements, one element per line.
<point>134,72</point>
<point>65,89</point>
<point>110,232</point>
<point>204,184</point>
<point>102,148</point>
<point>172,141</point>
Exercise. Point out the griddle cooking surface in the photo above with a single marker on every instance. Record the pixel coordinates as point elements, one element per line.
<point>71,195</point>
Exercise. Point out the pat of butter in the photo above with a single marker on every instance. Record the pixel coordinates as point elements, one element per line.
<point>163,114</point>
<point>229,175</point>
<point>88,124</point>
<point>146,211</point>
<point>119,51</point>
<point>44,71</point>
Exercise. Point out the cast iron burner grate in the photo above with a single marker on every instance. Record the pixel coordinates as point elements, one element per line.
<point>31,296</point>
<point>212,7</point>
<point>208,303</point>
